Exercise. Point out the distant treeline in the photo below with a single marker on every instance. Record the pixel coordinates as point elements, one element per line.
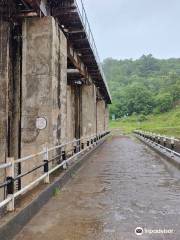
<point>143,86</point>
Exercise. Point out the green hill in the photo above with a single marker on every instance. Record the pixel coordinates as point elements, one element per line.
<point>144,86</point>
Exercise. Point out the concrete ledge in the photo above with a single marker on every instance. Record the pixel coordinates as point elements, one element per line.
<point>173,160</point>
<point>9,229</point>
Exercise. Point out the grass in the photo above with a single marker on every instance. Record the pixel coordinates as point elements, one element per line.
<point>164,123</point>
<point>56,191</point>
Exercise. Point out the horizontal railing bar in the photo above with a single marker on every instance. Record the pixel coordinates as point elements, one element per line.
<point>57,167</point>
<point>92,141</point>
<point>167,149</point>
<point>151,134</point>
<point>157,144</point>
<point>28,172</point>
<point>30,185</point>
<point>28,157</point>
<point>5,202</point>
<point>65,144</point>
<point>54,158</point>
<point>5,165</point>
<point>4,184</point>
<point>49,149</point>
<point>75,155</point>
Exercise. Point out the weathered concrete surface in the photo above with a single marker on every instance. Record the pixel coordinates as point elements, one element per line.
<point>88,110</point>
<point>101,116</point>
<point>39,82</point>
<point>63,86</point>
<point>70,115</point>
<point>14,95</point>
<point>106,117</point>
<point>44,85</point>
<point>35,85</point>
<point>4,84</point>
<point>124,185</point>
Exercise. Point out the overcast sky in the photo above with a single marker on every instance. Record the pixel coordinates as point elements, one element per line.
<point>131,28</point>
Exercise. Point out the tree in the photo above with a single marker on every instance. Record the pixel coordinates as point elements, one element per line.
<point>139,99</point>
<point>164,102</point>
<point>148,65</point>
<point>143,85</point>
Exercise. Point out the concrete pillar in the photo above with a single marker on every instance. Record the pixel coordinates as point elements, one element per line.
<point>88,110</point>
<point>4,85</point>
<point>70,113</point>
<point>106,117</point>
<point>101,116</point>
<point>63,86</point>
<point>44,82</point>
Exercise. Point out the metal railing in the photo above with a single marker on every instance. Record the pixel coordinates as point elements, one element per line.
<point>64,154</point>
<point>159,141</point>
<point>84,19</point>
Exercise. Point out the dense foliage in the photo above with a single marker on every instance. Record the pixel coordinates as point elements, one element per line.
<point>143,86</point>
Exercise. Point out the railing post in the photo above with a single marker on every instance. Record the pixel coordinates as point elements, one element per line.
<point>172,143</point>
<point>79,146</point>
<point>164,141</point>
<point>64,159</point>
<point>75,150</point>
<point>10,185</point>
<point>46,165</point>
<point>82,146</point>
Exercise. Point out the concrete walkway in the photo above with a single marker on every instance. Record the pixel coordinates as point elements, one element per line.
<point>123,185</point>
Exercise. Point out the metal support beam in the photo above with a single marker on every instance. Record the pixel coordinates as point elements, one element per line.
<point>77,62</point>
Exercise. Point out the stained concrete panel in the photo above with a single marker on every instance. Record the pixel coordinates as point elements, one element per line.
<point>63,86</point>
<point>45,93</point>
<point>88,110</point>
<point>106,117</point>
<point>44,83</point>
<point>70,115</point>
<point>101,116</point>
<point>4,83</point>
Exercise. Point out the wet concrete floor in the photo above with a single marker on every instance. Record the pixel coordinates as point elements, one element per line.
<point>123,185</point>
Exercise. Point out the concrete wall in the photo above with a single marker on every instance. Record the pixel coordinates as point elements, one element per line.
<point>10,79</point>
<point>63,86</point>
<point>106,117</point>
<point>70,115</point>
<point>69,110</point>
<point>101,125</point>
<point>88,110</point>
<point>4,83</point>
<point>44,84</point>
